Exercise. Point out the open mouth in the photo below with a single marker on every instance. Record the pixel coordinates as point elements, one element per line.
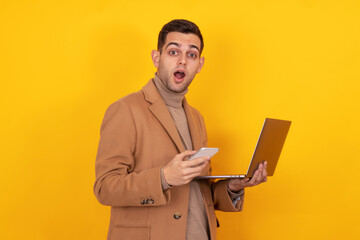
<point>179,74</point>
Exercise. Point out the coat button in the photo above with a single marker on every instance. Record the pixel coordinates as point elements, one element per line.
<point>150,201</point>
<point>177,215</point>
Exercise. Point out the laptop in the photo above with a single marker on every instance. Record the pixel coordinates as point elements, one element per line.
<point>268,148</point>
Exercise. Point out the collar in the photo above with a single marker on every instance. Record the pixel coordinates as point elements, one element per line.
<point>171,99</point>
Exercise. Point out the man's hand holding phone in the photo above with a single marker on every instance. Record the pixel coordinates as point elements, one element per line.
<point>187,165</point>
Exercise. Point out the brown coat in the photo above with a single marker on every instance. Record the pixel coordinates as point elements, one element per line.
<point>138,137</point>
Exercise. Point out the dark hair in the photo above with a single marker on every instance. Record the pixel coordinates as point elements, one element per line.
<point>182,26</point>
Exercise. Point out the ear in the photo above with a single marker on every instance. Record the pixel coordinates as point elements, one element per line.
<point>201,64</point>
<point>155,56</point>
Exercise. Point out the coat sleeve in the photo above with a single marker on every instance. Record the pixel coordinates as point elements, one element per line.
<point>222,200</point>
<point>117,184</point>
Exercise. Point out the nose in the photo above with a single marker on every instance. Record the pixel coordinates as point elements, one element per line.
<point>182,59</point>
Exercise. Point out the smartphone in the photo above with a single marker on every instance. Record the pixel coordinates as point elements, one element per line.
<point>204,152</point>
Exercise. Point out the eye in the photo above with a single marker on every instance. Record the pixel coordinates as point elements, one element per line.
<point>172,52</point>
<point>192,55</point>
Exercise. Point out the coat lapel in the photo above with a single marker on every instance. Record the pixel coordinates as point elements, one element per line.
<point>160,111</point>
<point>193,127</point>
<point>195,132</point>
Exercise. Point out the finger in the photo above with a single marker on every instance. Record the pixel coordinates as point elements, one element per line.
<point>265,165</point>
<point>245,180</point>
<point>260,169</point>
<point>197,161</point>
<point>184,154</point>
<point>264,173</point>
<point>196,169</point>
<point>192,174</point>
<point>254,178</point>
<point>189,178</point>
<point>259,177</point>
<point>265,169</point>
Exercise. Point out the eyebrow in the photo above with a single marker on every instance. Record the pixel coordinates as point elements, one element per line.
<point>178,45</point>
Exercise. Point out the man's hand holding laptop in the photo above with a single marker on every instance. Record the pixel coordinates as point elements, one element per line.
<point>260,176</point>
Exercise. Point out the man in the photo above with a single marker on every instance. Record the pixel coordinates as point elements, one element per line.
<point>146,137</point>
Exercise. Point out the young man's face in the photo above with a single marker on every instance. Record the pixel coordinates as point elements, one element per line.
<point>179,60</point>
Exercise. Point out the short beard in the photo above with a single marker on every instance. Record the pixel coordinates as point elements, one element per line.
<point>183,88</point>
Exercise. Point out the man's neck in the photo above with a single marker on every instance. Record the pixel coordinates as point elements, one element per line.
<point>171,99</point>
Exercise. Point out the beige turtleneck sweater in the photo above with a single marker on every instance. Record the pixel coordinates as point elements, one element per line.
<point>197,224</point>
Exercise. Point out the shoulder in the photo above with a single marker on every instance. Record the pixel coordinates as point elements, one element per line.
<point>132,98</point>
<point>196,114</point>
<point>128,102</point>
<point>195,111</point>
<point>123,108</point>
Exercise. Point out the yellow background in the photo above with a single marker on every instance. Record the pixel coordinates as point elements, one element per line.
<point>63,62</point>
